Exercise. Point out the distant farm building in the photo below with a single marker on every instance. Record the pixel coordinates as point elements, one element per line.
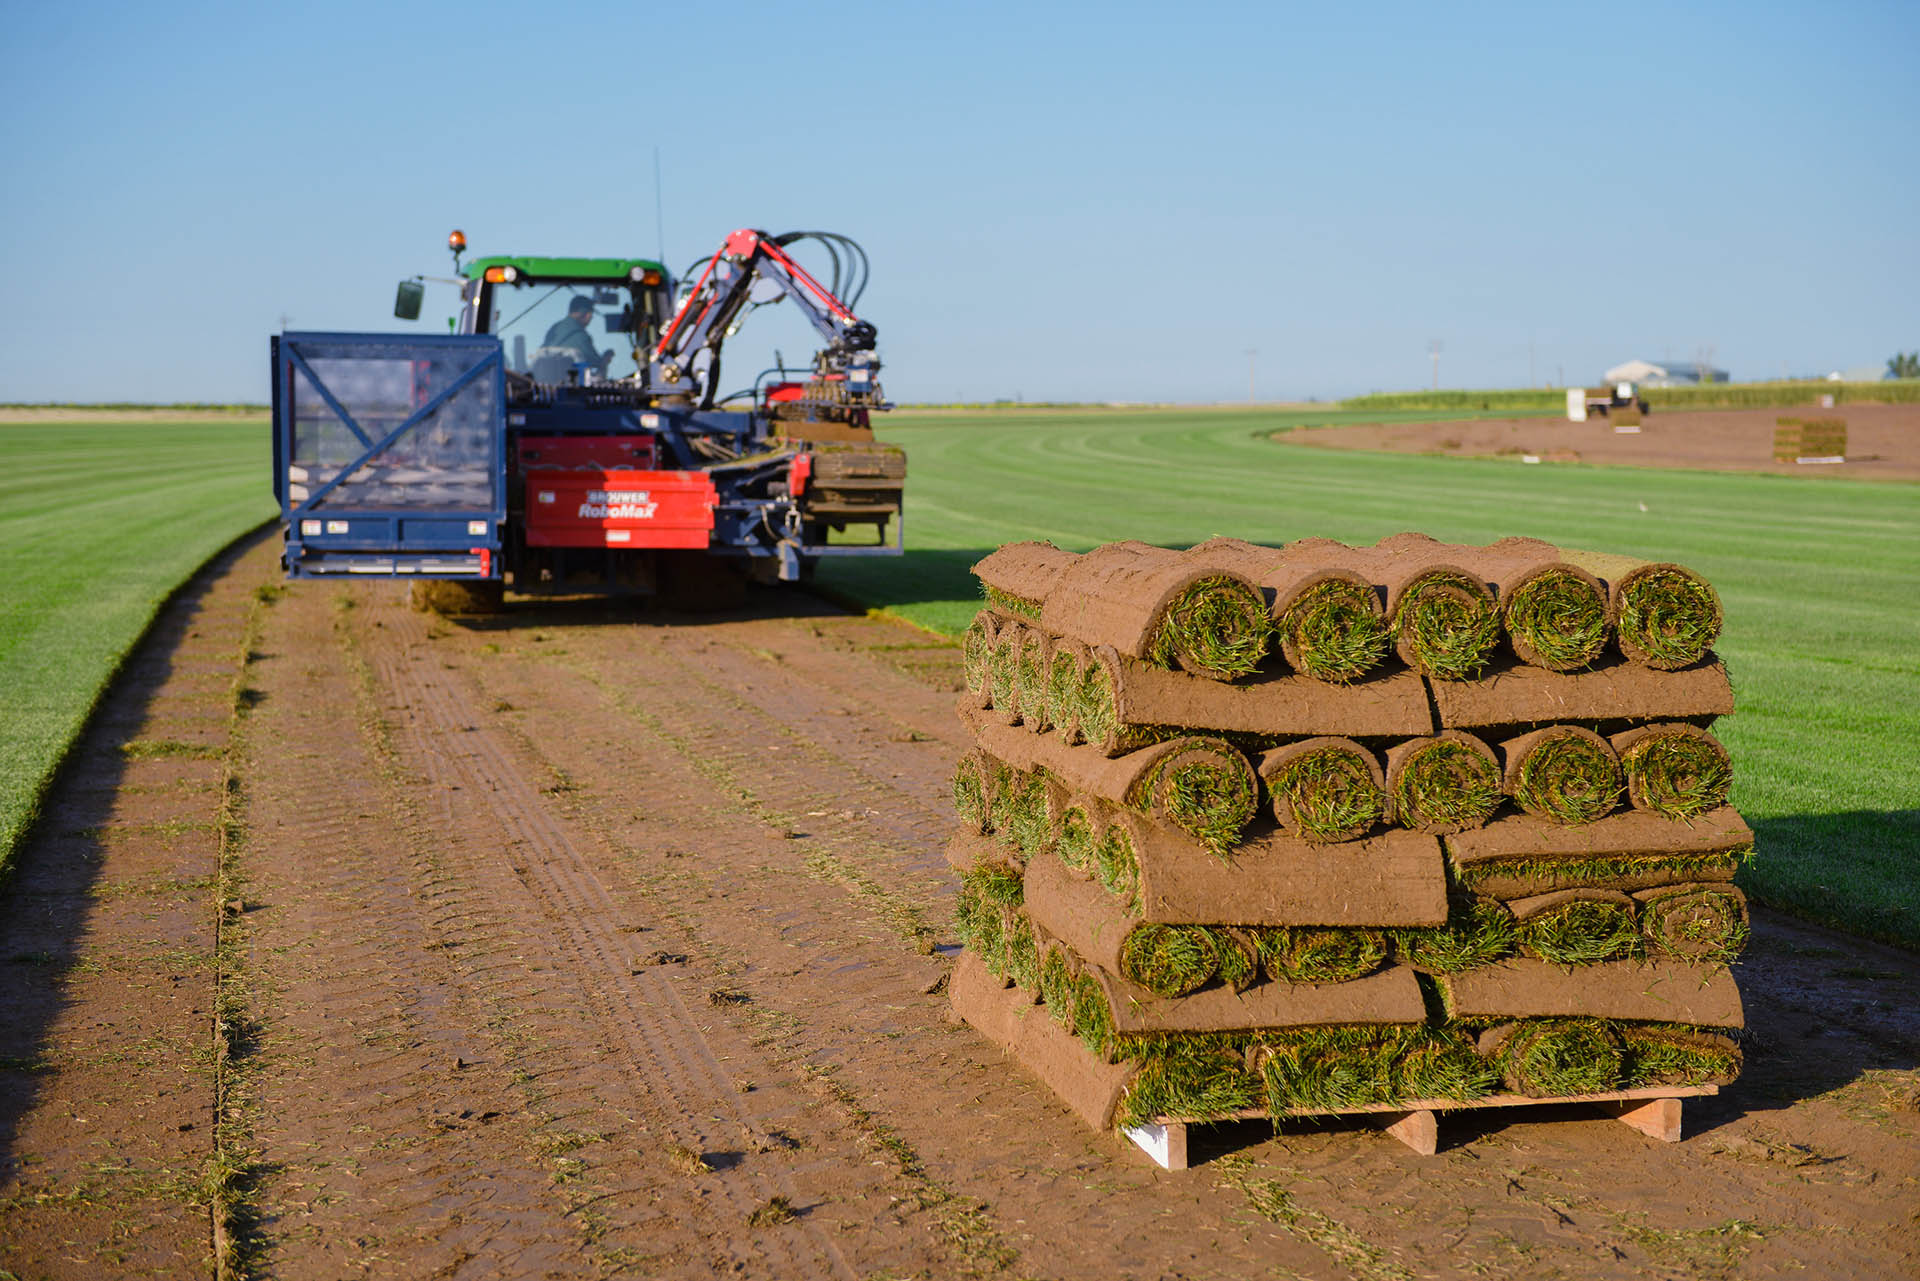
<point>1674,373</point>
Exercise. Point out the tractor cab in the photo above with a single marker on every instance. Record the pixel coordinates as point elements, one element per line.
<point>568,320</point>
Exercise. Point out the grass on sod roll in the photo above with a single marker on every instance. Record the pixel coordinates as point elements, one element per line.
<point>1673,1054</point>
<point>1333,631</point>
<point>1210,800</point>
<point>1063,695</point>
<point>1098,715</point>
<point>1056,986</point>
<point>1451,624</point>
<point>1602,870</point>
<point>1543,1058</point>
<point>1444,1064</point>
<point>1823,746</point>
<point>1169,960</point>
<point>1446,783</point>
<point>1478,932</point>
<point>1327,1069</point>
<point>1116,864</point>
<point>1030,679</point>
<point>1677,775</point>
<point>1018,606</point>
<point>1310,954</point>
<point>1003,672</point>
<point>1027,821</point>
<point>1581,932</point>
<point>1330,794</point>
<point>997,883</point>
<point>1570,780</point>
<point>1003,792</point>
<point>1697,922</point>
<point>1092,1016</point>
<point>976,656</point>
<point>1194,1078</point>
<point>970,793</point>
<point>1239,958</point>
<point>1671,616</point>
<point>1022,950</point>
<point>83,582</point>
<point>1560,617</point>
<point>1076,840</point>
<point>1216,626</point>
<point>981,925</point>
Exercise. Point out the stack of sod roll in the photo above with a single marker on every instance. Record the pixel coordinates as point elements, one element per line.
<point>1319,827</point>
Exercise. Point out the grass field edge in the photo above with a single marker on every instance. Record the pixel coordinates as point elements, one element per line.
<point>30,813</point>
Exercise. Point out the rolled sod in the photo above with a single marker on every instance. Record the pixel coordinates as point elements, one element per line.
<point>1702,922</point>
<point>1092,1014</point>
<point>1116,864</point>
<point>1444,1064</point>
<point>1478,931</point>
<point>1330,1069</point>
<point>1549,1058</point>
<point>1030,657</point>
<point>1098,714</point>
<point>1064,693</point>
<point>1446,624</point>
<point>1327,619</point>
<point>1314,955</point>
<point>1193,1078</point>
<point>1239,954</point>
<point>1057,974</point>
<point>1444,784</point>
<point>1003,784</point>
<point>976,656</point>
<point>981,925</point>
<point>1027,820</point>
<point>970,791</point>
<point>1563,773</point>
<point>1577,927</point>
<point>1556,617</point>
<point>1014,605</point>
<point>1664,615</point>
<point>1022,951</point>
<point>1672,1054</point>
<point>1147,602</point>
<point>1003,672</point>
<point>1677,771</point>
<point>1169,960</point>
<point>1324,789</point>
<point>1205,787</point>
<point>1076,840</point>
<point>1517,855</point>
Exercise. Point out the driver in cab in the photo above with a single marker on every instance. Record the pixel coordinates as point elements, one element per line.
<point>571,334</point>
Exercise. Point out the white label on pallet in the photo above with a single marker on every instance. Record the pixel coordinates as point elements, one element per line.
<point>1152,1140</point>
<point>1627,429</point>
<point>619,535</point>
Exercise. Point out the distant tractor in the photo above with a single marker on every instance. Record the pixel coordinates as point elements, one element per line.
<point>1620,399</point>
<point>516,452</point>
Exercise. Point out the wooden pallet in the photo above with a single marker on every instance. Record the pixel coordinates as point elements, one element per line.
<point>1653,1110</point>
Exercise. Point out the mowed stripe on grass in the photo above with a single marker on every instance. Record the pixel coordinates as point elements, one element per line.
<point>1817,576</point>
<point>98,523</point>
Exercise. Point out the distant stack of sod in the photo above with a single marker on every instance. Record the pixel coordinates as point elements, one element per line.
<point>1299,829</point>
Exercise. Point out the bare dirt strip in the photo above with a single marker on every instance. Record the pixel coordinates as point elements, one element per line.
<point>586,941</point>
<point>1883,441</point>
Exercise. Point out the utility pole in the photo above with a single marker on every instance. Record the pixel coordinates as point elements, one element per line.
<point>1251,352</point>
<point>1433,350</point>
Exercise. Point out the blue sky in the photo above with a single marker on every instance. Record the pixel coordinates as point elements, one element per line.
<point>1088,202</point>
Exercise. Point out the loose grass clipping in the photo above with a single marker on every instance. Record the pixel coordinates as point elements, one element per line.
<point>1446,784</point>
<point>1315,955</point>
<point>1325,789</point>
<point>1677,771</point>
<point>1578,927</point>
<point>1556,618</point>
<point>1563,773</point>
<point>1704,922</point>
<point>1548,1058</point>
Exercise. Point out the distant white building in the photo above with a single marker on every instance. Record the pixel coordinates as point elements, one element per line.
<point>1680,373</point>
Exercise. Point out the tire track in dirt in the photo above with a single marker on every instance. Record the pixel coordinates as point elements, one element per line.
<point>680,1078</point>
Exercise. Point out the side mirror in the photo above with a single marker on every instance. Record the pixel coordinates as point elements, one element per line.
<point>407,299</point>
<point>617,323</point>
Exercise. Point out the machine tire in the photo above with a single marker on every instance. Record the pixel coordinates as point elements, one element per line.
<point>441,596</point>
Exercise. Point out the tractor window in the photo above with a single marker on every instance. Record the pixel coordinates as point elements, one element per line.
<point>549,327</point>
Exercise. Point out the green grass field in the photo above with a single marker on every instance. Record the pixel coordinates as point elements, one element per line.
<point>98,523</point>
<point>1818,576</point>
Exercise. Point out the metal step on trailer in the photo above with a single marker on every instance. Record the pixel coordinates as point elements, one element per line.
<point>1652,1110</point>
